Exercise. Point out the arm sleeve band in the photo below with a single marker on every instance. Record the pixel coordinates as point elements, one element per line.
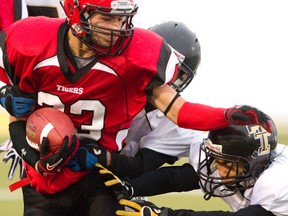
<point>171,103</point>
<point>201,117</point>
<point>17,132</point>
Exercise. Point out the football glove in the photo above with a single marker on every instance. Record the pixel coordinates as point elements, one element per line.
<point>16,102</point>
<point>51,163</point>
<point>122,189</point>
<point>12,155</point>
<point>141,208</point>
<point>247,115</point>
<point>87,156</point>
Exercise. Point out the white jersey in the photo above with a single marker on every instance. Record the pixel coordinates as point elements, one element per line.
<point>270,190</point>
<point>155,131</point>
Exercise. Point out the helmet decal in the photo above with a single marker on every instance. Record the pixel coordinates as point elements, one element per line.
<point>259,133</point>
<point>244,149</point>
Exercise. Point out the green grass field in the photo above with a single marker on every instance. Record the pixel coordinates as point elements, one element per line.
<point>11,202</point>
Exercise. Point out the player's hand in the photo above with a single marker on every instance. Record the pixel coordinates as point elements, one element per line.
<point>138,208</point>
<point>247,115</point>
<point>51,163</point>
<point>122,189</point>
<point>12,155</point>
<point>15,161</point>
<point>16,102</point>
<point>87,156</point>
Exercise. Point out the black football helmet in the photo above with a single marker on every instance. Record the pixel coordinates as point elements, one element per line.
<point>78,14</point>
<point>187,48</point>
<point>249,146</point>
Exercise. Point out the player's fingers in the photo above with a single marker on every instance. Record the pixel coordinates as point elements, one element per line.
<point>125,213</point>
<point>64,145</point>
<point>45,146</point>
<point>130,204</point>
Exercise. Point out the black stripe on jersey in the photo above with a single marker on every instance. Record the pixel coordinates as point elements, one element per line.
<point>42,11</point>
<point>17,10</point>
<point>64,54</point>
<point>163,60</point>
<point>10,70</point>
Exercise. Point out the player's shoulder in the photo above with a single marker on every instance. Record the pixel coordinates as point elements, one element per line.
<point>270,190</point>
<point>32,28</point>
<point>146,47</point>
<point>147,39</point>
<point>33,35</point>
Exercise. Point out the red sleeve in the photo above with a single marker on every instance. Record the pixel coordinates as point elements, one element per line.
<point>7,13</point>
<point>201,117</point>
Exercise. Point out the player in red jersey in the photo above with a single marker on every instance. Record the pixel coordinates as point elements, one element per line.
<point>101,72</point>
<point>12,11</point>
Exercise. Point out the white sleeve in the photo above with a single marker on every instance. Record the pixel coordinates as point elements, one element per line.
<point>271,189</point>
<point>161,135</point>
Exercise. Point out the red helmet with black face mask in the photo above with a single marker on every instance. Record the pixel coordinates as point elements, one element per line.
<point>79,12</point>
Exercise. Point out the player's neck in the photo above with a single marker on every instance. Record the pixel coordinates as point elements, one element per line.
<point>77,47</point>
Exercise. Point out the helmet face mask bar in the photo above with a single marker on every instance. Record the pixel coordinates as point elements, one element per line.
<point>212,183</point>
<point>243,151</point>
<point>79,13</point>
<point>184,77</point>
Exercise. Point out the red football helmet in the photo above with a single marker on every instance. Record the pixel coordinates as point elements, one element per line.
<point>78,13</point>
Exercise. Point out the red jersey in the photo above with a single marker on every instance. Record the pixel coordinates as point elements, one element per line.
<point>101,98</point>
<point>12,10</point>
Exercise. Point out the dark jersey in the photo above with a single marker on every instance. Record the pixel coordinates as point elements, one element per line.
<point>103,97</point>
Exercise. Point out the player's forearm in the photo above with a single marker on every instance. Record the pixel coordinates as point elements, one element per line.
<point>166,180</point>
<point>17,130</point>
<point>201,117</point>
<point>145,160</point>
<point>255,210</point>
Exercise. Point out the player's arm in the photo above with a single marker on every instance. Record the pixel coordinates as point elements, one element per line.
<point>17,130</point>
<point>144,208</point>
<point>44,162</point>
<point>165,180</point>
<point>121,165</point>
<point>202,117</point>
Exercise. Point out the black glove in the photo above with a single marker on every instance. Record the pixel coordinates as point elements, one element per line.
<point>50,162</point>
<point>247,115</point>
<point>87,155</point>
<point>16,160</point>
<point>122,189</point>
<point>16,102</point>
<point>138,208</point>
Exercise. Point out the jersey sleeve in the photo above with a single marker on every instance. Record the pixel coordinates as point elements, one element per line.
<point>270,190</point>
<point>11,11</point>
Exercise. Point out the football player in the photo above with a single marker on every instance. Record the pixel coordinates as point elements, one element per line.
<point>100,71</point>
<point>243,165</point>
<point>11,10</point>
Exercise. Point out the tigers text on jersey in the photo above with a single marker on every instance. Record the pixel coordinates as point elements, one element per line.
<point>101,98</point>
